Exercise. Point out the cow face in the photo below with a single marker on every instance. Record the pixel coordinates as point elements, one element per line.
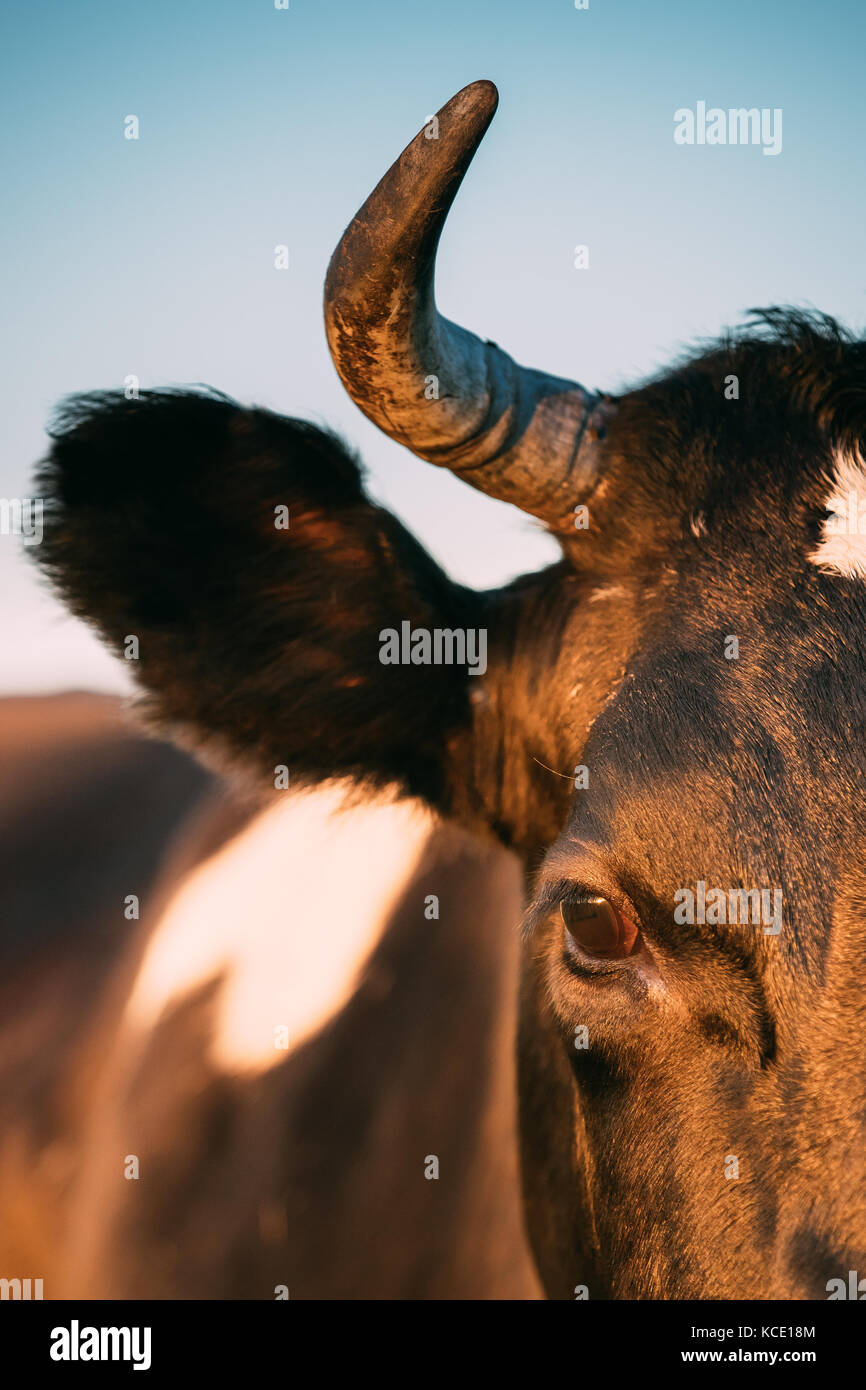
<point>692,1096</point>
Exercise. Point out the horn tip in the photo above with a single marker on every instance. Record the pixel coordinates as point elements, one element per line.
<point>481,98</point>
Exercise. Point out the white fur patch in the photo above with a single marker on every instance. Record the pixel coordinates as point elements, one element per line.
<point>842,548</point>
<point>288,912</point>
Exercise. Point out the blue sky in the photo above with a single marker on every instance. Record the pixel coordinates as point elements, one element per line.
<point>261,126</point>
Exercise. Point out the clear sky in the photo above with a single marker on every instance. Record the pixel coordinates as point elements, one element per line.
<point>261,126</point>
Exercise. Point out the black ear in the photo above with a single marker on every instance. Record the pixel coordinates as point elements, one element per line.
<point>163,522</point>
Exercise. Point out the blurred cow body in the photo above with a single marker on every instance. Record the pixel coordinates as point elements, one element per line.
<point>301,1162</point>
<point>88,807</point>
<point>264,1161</point>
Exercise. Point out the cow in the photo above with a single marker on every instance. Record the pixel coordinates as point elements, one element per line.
<point>310,1092</point>
<point>89,811</point>
<point>667,726</point>
<point>149,1030</point>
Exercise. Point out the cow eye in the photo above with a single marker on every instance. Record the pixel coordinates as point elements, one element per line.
<point>594,927</point>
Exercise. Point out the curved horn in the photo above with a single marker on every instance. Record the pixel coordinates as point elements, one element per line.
<point>515,433</point>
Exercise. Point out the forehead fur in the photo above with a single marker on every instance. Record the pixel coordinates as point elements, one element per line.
<point>795,370</point>
<point>740,435</point>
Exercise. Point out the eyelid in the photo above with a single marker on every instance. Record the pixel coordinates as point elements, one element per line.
<point>550,896</point>
<point>578,891</point>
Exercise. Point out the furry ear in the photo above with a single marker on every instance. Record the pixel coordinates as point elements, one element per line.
<point>165,520</point>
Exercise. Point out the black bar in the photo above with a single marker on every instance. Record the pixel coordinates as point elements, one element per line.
<point>232,1339</point>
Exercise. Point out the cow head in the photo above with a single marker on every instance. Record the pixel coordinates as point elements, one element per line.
<point>691,987</point>
<point>668,724</point>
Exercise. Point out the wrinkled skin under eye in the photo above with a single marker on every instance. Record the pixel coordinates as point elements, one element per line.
<point>594,927</point>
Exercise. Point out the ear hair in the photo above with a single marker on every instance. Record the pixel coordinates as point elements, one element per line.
<point>161,523</point>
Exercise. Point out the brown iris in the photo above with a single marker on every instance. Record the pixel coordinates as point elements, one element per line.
<point>598,928</point>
